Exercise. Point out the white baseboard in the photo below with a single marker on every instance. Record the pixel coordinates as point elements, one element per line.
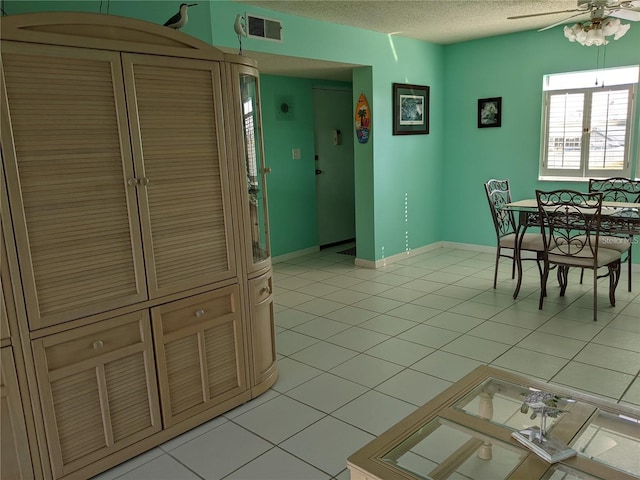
<point>469,247</point>
<point>360,262</point>
<point>296,254</point>
<point>397,257</point>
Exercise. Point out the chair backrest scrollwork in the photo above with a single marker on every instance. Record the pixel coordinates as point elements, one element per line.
<point>616,189</point>
<point>570,223</point>
<point>498,195</point>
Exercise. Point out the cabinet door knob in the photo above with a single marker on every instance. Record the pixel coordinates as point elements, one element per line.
<point>132,182</point>
<point>267,170</point>
<point>97,345</point>
<point>200,313</point>
<point>144,181</point>
<point>267,289</point>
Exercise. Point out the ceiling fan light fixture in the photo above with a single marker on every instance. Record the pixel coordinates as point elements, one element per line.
<point>596,31</point>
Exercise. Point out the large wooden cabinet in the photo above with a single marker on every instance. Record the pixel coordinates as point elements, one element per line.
<point>132,158</point>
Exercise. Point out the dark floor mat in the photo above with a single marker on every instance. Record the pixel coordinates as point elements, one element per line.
<point>349,251</point>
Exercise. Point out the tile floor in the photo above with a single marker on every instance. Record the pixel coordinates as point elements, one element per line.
<point>360,349</point>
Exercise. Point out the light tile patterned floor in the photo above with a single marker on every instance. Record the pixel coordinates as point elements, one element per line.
<point>360,349</point>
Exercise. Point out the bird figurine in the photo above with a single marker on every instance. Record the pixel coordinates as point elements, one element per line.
<point>181,18</point>
<point>240,29</point>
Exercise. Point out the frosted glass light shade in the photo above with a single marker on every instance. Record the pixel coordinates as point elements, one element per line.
<point>595,37</point>
<point>572,32</point>
<point>621,31</point>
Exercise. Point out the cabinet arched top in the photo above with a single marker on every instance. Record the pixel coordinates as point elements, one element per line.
<point>105,32</point>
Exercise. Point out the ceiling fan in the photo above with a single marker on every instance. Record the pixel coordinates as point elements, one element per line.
<point>597,9</point>
<point>604,20</point>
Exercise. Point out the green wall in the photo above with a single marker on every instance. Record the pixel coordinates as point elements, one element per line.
<point>511,67</point>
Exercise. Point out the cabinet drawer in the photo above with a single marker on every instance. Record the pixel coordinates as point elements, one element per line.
<point>199,309</point>
<point>97,342</point>
<point>262,289</point>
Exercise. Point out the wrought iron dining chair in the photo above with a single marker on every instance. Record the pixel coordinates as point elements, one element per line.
<point>498,195</point>
<point>570,224</point>
<point>617,189</point>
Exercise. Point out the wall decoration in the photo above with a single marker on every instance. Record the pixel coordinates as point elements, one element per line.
<point>489,112</point>
<point>363,119</point>
<point>284,108</point>
<point>410,109</point>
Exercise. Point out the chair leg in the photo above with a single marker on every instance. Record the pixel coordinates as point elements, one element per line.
<point>595,293</point>
<point>563,279</point>
<point>581,275</point>
<point>629,263</point>
<point>495,272</point>
<point>543,285</point>
<point>614,278</point>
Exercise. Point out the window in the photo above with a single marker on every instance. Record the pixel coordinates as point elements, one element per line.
<point>587,129</point>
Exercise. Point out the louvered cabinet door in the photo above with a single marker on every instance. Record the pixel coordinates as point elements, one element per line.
<point>68,160</point>
<point>200,353</point>
<point>15,461</point>
<point>98,390</point>
<point>263,339</point>
<point>175,110</point>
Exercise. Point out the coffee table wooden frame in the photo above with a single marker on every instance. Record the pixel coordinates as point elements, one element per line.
<point>367,463</point>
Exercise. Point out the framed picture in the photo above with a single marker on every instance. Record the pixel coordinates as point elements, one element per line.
<point>489,112</point>
<point>410,109</point>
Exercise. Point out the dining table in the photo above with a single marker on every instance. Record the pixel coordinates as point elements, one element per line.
<point>617,218</point>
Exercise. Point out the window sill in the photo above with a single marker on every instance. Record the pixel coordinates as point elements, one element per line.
<point>561,179</point>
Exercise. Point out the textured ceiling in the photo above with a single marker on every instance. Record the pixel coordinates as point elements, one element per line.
<point>435,21</point>
<point>430,20</point>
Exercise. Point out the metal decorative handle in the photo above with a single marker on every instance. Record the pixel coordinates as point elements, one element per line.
<point>97,345</point>
<point>267,170</point>
<point>267,289</point>
<point>200,313</point>
<point>144,181</point>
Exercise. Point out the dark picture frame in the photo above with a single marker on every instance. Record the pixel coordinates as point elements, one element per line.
<point>410,109</point>
<point>490,112</point>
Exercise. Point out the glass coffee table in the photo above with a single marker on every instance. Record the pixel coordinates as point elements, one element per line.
<point>465,433</point>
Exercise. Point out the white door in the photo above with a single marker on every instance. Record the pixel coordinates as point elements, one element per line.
<point>335,191</point>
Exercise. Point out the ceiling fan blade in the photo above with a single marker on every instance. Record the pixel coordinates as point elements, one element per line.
<point>560,22</point>
<point>548,13</point>
<point>626,14</point>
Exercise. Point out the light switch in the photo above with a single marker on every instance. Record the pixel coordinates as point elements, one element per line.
<point>295,153</point>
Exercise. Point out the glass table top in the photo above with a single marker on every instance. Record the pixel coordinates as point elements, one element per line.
<point>500,402</point>
<point>445,450</point>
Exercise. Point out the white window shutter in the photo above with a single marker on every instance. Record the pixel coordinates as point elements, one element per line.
<point>608,131</point>
<point>564,131</point>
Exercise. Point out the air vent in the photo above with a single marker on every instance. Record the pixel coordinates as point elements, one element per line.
<point>266,28</point>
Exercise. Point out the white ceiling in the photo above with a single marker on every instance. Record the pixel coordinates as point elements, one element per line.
<point>436,21</point>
